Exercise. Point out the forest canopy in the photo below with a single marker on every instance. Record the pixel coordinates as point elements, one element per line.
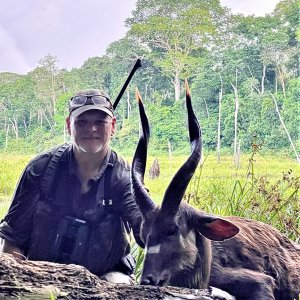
<point>243,73</point>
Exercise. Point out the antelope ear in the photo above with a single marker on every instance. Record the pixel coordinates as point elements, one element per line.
<point>219,230</point>
<point>213,227</point>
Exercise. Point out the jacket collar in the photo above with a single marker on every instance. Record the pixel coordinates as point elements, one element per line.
<point>72,163</point>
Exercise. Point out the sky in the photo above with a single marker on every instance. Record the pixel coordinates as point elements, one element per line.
<point>74,30</point>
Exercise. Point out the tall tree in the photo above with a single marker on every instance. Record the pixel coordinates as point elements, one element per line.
<point>175,31</point>
<point>46,87</point>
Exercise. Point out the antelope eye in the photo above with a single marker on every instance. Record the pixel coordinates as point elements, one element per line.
<point>172,230</point>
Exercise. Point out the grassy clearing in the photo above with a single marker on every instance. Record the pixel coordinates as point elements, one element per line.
<point>264,188</point>
<point>11,167</point>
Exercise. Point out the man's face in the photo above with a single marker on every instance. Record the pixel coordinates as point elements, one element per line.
<point>91,131</point>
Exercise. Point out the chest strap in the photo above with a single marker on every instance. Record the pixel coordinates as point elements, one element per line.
<point>107,201</point>
<point>50,171</point>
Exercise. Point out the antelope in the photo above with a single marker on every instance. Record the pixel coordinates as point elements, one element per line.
<point>186,247</point>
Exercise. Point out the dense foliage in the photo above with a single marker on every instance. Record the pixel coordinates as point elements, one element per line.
<point>238,67</point>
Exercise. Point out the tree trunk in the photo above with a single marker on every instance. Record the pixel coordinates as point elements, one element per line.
<point>40,118</point>
<point>219,122</point>
<point>33,280</point>
<point>253,87</point>
<point>281,79</point>
<point>123,116</point>
<point>65,132</point>
<point>30,118</point>
<point>25,126</point>
<point>64,87</point>
<point>6,135</point>
<point>15,126</point>
<point>263,80</point>
<point>146,92</point>
<point>177,86</point>
<point>49,120</point>
<point>53,96</point>
<point>286,131</point>
<point>128,104</point>
<point>236,99</point>
<point>206,108</point>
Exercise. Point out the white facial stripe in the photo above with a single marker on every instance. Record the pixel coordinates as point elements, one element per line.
<point>192,236</point>
<point>154,249</point>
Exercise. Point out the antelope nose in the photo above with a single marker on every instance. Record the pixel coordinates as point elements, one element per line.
<point>153,280</point>
<point>148,280</point>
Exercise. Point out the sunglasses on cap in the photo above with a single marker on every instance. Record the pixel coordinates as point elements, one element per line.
<point>80,100</point>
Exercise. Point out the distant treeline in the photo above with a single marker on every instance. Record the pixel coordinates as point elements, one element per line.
<point>243,74</point>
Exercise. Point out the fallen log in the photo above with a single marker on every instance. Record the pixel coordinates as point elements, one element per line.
<point>39,280</point>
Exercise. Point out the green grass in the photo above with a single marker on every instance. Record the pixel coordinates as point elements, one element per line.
<point>265,188</point>
<point>11,167</point>
<point>220,179</point>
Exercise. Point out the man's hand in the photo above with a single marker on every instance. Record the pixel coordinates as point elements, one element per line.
<point>8,247</point>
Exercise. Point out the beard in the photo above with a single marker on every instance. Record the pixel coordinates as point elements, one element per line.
<point>93,151</point>
<point>92,147</point>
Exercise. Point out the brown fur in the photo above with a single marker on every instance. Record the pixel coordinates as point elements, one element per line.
<point>258,263</point>
<point>257,252</point>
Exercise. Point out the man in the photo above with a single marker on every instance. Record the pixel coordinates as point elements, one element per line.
<point>73,204</point>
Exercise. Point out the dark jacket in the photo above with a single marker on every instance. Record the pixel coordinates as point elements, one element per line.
<point>48,228</point>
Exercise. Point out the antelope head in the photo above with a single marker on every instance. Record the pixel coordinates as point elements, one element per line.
<point>177,236</point>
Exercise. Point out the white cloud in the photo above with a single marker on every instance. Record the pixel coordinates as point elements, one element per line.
<point>72,30</point>
<point>12,58</point>
<point>251,7</point>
